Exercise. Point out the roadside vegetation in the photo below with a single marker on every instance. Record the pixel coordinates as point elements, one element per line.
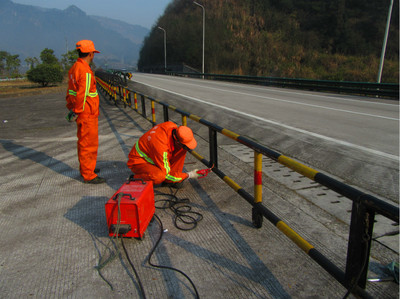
<point>311,39</point>
<point>45,71</point>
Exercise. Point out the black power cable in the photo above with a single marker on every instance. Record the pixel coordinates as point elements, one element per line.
<point>165,267</point>
<point>182,212</point>
<point>134,270</point>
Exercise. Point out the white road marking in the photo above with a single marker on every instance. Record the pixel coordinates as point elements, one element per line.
<point>341,142</point>
<point>288,91</point>
<point>291,102</point>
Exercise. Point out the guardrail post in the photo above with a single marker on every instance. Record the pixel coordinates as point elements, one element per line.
<point>143,106</point>
<point>165,112</point>
<point>153,113</point>
<point>184,120</point>
<point>213,147</point>
<point>110,91</point>
<point>119,92</point>
<point>129,98</point>
<point>135,100</point>
<point>359,246</point>
<point>124,96</point>
<point>256,215</point>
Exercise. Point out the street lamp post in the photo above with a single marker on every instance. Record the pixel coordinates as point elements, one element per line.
<point>165,48</point>
<point>204,24</point>
<point>385,42</point>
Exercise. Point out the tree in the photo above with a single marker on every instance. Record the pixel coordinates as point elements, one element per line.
<point>68,59</point>
<point>13,63</point>
<point>32,61</point>
<point>9,64</point>
<point>45,74</point>
<point>3,55</point>
<point>48,72</point>
<point>277,38</point>
<point>47,56</point>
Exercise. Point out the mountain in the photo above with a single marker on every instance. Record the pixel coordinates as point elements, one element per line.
<point>315,39</point>
<point>26,30</point>
<point>135,33</point>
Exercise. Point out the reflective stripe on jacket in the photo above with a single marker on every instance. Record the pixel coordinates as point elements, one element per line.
<point>82,96</point>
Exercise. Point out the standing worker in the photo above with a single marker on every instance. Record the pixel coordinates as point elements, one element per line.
<point>159,155</point>
<point>83,104</point>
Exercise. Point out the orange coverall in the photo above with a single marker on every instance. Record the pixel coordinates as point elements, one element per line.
<point>155,156</point>
<point>83,99</point>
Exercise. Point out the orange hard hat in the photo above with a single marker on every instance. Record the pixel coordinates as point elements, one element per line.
<point>185,136</point>
<point>86,46</point>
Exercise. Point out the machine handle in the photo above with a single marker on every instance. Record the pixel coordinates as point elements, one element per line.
<point>132,179</point>
<point>122,195</point>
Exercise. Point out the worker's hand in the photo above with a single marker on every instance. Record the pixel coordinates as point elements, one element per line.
<point>193,174</point>
<point>71,116</point>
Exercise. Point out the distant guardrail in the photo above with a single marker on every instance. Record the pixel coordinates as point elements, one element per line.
<point>389,90</point>
<point>12,79</point>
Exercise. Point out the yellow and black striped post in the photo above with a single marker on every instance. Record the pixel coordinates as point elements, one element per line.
<point>153,113</point>
<point>257,217</point>
<point>257,177</point>
<point>184,120</point>
<point>135,100</point>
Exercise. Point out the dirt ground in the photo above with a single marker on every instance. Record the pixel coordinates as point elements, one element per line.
<point>17,88</point>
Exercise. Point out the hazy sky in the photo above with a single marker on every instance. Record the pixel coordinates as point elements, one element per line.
<point>137,12</point>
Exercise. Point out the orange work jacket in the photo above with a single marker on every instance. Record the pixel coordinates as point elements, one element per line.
<point>82,96</point>
<point>157,147</point>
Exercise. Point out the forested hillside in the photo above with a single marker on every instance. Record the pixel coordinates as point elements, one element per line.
<point>318,39</point>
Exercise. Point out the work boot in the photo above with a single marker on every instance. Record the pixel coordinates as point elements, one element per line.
<point>173,185</point>
<point>96,180</point>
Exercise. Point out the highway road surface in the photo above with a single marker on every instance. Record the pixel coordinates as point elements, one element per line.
<point>352,137</point>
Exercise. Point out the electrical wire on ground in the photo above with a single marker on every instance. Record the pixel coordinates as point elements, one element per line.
<point>134,270</point>
<point>103,262</point>
<point>182,212</point>
<point>165,267</point>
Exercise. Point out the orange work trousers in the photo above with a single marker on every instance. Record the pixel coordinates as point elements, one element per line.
<point>150,172</point>
<point>88,143</point>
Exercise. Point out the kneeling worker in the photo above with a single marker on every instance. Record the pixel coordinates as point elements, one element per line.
<point>160,153</point>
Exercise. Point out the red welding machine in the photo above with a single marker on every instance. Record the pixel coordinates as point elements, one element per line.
<point>130,209</point>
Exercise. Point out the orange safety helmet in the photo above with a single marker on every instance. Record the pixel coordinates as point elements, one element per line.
<point>86,46</point>
<point>185,136</point>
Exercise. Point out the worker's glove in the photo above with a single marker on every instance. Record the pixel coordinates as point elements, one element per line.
<point>193,174</point>
<point>71,116</point>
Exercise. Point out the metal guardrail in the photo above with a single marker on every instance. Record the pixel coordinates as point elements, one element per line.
<point>365,206</point>
<point>389,90</point>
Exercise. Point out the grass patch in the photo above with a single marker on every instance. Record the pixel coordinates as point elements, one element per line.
<point>23,87</point>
